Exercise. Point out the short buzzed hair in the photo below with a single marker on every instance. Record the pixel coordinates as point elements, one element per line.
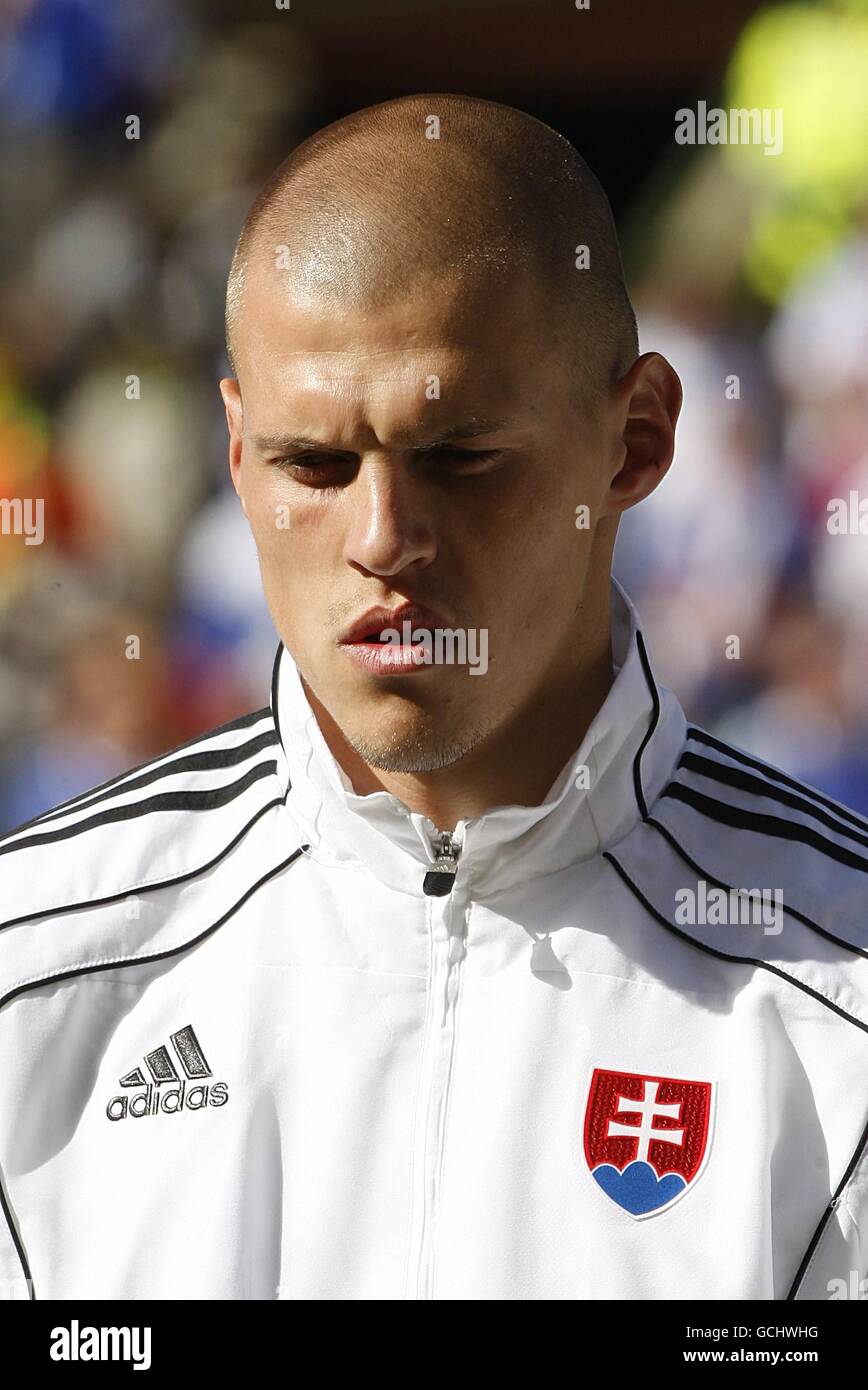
<point>416,189</point>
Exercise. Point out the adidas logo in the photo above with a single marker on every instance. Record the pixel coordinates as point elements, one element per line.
<point>160,1093</point>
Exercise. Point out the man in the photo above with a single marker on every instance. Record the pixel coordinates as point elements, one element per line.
<point>466,969</point>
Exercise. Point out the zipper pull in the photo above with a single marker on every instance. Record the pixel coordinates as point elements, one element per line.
<point>440,878</point>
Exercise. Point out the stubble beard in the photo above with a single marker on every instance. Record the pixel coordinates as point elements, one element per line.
<point>421,749</point>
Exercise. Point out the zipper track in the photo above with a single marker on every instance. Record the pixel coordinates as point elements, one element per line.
<point>447,922</point>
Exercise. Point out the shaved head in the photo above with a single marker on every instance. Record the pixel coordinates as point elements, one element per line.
<point>434,188</point>
<point>438,401</point>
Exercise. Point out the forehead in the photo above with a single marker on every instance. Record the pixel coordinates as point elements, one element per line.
<point>447,339</point>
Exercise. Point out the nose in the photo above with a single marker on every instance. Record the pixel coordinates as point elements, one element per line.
<point>390,527</point>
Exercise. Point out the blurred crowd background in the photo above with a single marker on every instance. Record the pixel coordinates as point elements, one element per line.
<point>749,271</point>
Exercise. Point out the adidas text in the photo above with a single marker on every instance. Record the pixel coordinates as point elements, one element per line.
<point>170,1100</point>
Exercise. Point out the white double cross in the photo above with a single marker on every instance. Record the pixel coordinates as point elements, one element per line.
<point>644,1133</point>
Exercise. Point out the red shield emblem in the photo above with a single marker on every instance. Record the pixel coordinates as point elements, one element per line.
<point>646,1138</point>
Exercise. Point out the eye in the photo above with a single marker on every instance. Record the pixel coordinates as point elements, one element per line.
<point>329,470</point>
<point>315,469</point>
<point>466,460</point>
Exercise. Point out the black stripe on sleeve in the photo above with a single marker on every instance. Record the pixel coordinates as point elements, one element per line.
<point>748,782</point>
<point>152,885</point>
<point>761,824</point>
<point>208,760</point>
<point>729,888</point>
<point>82,797</point>
<point>725,955</point>
<point>208,800</point>
<point>843,812</point>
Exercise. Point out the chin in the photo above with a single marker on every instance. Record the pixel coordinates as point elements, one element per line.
<point>386,733</point>
<point>411,740</point>
<point>408,757</point>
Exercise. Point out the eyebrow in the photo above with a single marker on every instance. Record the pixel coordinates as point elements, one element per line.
<point>467,429</point>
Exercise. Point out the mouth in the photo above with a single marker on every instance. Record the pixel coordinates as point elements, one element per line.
<point>381,638</point>
<point>378,626</point>
<point>393,642</point>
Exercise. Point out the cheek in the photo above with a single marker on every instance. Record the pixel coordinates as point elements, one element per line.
<point>282,526</point>
<point>544,527</point>
<point>536,564</point>
<point>290,537</point>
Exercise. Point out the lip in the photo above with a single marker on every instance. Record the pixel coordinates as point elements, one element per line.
<point>375,619</point>
<point>390,659</point>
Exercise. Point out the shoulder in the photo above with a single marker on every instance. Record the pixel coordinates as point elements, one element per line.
<point>167,820</point>
<point>739,822</point>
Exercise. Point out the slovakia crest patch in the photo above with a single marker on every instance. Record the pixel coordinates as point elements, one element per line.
<point>646,1138</point>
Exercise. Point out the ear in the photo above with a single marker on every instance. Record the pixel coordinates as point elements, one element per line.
<point>231,394</point>
<point>647,402</point>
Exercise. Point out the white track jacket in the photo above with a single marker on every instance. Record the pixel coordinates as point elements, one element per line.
<point>254,1046</point>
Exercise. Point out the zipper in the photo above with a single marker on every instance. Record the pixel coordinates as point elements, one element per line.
<point>440,878</point>
<point>447,925</point>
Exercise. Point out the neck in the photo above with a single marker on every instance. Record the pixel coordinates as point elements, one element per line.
<point>516,765</point>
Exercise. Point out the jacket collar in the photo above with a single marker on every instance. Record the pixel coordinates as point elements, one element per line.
<point>630,749</point>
